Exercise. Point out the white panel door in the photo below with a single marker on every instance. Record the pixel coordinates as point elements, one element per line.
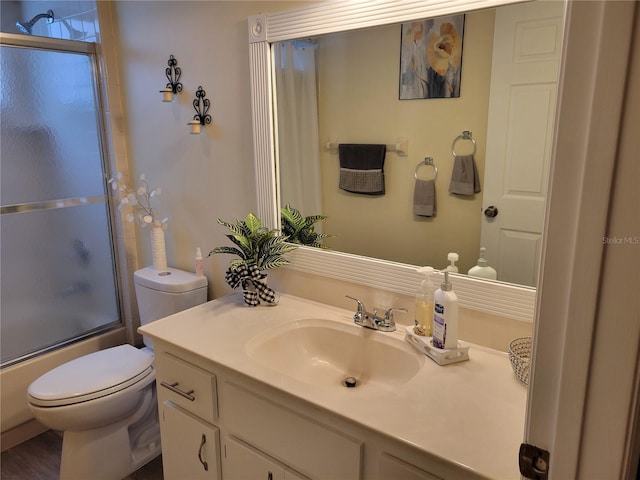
<point>524,77</point>
<point>190,447</point>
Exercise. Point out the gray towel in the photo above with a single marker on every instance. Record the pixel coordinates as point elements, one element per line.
<point>464,177</point>
<point>361,168</point>
<point>424,198</point>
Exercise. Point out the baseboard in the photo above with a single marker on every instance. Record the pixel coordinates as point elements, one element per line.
<point>21,433</point>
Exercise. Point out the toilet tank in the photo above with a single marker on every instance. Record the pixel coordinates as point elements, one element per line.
<point>161,293</point>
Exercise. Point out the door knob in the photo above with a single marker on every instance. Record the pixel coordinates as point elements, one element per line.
<point>491,211</point>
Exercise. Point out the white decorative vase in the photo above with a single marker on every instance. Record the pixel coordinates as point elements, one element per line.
<point>158,250</point>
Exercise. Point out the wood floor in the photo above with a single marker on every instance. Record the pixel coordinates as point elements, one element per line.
<point>39,459</point>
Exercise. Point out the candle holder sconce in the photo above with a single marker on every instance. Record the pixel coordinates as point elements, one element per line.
<point>173,73</point>
<point>201,105</point>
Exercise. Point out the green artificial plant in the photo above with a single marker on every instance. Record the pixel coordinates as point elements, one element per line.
<point>255,244</point>
<point>258,248</point>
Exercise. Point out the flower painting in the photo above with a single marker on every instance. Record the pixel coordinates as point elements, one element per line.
<point>431,58</point>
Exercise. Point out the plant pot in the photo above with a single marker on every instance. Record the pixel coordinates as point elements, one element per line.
<point>254,284</point>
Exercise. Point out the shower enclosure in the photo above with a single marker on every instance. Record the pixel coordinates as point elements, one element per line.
<point>57,261</point>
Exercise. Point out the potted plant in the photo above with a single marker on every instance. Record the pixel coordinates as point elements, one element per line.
<point>258,249</point>
<point>300,229</point>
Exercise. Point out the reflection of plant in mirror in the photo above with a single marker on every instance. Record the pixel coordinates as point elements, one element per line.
<point>300,229</point>
<point>259,248</point>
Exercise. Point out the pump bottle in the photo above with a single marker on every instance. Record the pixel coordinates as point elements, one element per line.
<point>445,316</point>
<point>453,257</point>
<point>482,269</point>
<point>424,304</point>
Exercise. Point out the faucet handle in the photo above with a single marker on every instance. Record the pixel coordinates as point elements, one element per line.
<point>388,315</point>
<point>361,308</point>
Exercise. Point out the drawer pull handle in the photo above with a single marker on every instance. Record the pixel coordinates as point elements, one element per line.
<point>174,388</point>
<point>205,465</point>
<point>270,476</point>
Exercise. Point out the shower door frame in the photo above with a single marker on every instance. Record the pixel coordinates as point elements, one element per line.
<point>90,49</point>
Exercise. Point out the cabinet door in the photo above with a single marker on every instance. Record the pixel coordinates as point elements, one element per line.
<point>243,462</point>
<point>190,447</point>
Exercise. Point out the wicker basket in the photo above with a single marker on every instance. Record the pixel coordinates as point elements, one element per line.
<point>520,357</point>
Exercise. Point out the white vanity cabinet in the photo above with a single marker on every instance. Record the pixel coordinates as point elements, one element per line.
<point>218,424</point>
<point>462,421</point>
<point>187,407</point>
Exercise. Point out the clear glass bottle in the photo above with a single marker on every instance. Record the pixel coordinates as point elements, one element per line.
<point>424,305</point>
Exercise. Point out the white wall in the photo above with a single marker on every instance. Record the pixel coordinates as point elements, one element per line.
<point>206,176</point>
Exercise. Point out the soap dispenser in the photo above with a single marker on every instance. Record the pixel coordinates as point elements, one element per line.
<point>453,258</point>
<point>482,269</point>
<point>424,305</point>
<point>445,316</point>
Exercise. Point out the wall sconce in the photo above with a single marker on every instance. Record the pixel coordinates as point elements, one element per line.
<point>173,73</point>
<point>201,106</point>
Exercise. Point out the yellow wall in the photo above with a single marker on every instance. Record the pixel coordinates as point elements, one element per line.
<point>358,74</point>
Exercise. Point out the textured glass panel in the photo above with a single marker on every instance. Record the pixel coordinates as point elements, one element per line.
<point>57,277</point>
<point>49,131</point>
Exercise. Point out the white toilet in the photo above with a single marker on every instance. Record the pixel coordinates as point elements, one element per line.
<point>105,402</point>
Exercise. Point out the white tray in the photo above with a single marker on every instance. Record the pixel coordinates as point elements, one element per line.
<point>442,356</point>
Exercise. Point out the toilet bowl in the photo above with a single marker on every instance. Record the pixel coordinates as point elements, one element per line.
<point>105,402</point>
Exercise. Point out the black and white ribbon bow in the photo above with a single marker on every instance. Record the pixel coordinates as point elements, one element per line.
<point>254,288</point>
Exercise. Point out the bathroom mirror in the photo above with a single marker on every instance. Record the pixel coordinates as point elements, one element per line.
<point>359,19</point>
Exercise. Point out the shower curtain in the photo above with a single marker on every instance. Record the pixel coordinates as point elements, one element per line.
<point>57,263</point>
<point>297,117</point>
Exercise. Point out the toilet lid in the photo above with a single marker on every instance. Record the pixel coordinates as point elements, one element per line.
<point>91,376</point>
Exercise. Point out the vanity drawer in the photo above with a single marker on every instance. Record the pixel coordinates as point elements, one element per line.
<point>188,386</point>
<point>303,444</point>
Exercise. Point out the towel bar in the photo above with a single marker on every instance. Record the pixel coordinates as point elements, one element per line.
<point>401,148</point>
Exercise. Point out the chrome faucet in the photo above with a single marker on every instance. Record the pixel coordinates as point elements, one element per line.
<point>372,320</point>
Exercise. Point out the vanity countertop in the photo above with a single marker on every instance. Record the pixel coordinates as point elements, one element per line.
<point>471,413</point>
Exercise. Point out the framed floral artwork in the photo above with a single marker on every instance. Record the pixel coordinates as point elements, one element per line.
<point>431,58</point>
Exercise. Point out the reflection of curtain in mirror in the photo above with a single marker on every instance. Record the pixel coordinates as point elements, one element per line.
<point>297,106</point>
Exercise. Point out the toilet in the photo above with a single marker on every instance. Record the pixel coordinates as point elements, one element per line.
<point>105,402</point>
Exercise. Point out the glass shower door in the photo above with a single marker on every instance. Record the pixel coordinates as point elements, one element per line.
<point>57,273</point>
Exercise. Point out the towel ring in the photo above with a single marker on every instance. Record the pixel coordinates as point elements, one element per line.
<point>428,161</point>
<point>465,135</point>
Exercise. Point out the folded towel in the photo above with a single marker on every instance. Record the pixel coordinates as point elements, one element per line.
<point>464,177</point>
<point>362,168</point>
<point>424,198</point>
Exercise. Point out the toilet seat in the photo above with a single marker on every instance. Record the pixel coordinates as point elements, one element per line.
<point>92,376</point>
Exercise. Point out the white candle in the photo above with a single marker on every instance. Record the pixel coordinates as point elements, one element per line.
<point>195,126</point>
<point>167,95</point>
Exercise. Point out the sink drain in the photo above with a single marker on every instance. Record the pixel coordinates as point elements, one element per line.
<point>350,382</point>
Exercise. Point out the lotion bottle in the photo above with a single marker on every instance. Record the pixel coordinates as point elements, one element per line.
<point>482,269</point>
<point>445,316</point>
<point>199,264</point>
<point>424,305</point>
<point>453,258</point>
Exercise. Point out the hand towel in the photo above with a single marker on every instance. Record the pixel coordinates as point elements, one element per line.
<point>362,168</point>
<point>424,198</point>
<point>464,177</point>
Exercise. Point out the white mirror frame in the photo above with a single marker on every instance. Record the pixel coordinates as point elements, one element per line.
<point>511,301</point>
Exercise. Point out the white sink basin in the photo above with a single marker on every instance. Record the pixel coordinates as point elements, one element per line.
<point>325,353</point>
